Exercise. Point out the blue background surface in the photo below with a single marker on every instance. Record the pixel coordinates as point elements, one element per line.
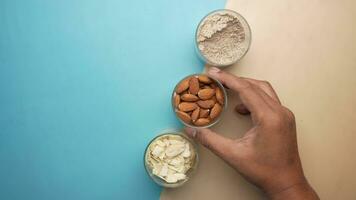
<point>84,86</point>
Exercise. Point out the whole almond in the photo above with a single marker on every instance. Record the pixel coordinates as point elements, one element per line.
<point>193,85</point>
<point>205,94</point>
<point>187,106</point>
<point>204,113</point>
<point>204,79</point>
<point>213,85</point>
<point>184,116</point>
<point>195,114</point>
<point>185,92</point>
<point>214,98</point>
<point>206,103</point>
<point>202,121</point>
<point>215,111</point>
<point>206,87</point>
<point>176,100</point>
<point>189,97</point>
<point>182,86</point>
<point>219,96</point>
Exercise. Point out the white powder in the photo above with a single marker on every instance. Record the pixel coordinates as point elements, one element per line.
<point>221,38</point>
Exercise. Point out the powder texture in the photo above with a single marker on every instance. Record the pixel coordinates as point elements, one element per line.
<point>221,38</point>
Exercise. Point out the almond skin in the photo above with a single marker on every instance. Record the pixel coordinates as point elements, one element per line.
<point>193,85</point>
<point>176,100</point>
<point>189,97</point>
<point>205,94</point>
<point>185,92</point>
<point>206,104</point>
<point>204,113</point>
<point>219,96</point>
<point>204,79</point>
<point>195,114</point>
<point>187,106</point>
<point>214,98</point>
<point>182,86</point>
<point>184,116</point>
<point>213,85</point>
<point>215,111</point>
<point>202,121</point>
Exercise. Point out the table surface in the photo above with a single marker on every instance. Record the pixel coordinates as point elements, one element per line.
<point>307,50</point>
<point>84,86</point>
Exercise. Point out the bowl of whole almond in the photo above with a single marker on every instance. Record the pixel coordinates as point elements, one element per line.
<point>199,100</point>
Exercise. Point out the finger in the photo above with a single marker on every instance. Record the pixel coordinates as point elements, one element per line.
<point>240,108</point>
<point>266,87</point>
<point>248,95</point>
<point>218,144</point>
<point>268,99</point>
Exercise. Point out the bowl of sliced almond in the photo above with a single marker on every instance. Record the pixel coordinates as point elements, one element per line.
<point>199,100</point>
<point>171,158</point>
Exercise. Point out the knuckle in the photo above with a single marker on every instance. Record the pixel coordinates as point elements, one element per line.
<point>273,120</point>
<point>277,119</point>
<point>290,117</point>
<point>266,84</point>
<point>245,85</point>
<point>203,140</point>
<point>281,119</point>
<point>289,114</point>
<point>261,116</point>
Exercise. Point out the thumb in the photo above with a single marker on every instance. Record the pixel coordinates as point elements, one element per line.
<point>218,144</point>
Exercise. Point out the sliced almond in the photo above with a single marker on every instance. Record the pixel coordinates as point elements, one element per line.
<point>184,116</point>
<point>215,111</point>
<point>187,106</point>
<point>195,114</point>
<point>205,94</point>
<point>176,100</point>
<point>174,150</point>
<point>206,103</point>
<point>180,176</point>
<point>202,121</point>
<point>204,79</point>
<point>193,85</point>
<point>219,96</point>
<point>182,86</point>
<point>204,113</point>
<point>189,97</point>
<point>171,178</point>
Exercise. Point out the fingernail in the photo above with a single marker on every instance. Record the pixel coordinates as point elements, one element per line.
<point>191,132</point>
<point>213,70</point>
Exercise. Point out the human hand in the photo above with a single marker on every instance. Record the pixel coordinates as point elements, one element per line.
<point>267,155</point>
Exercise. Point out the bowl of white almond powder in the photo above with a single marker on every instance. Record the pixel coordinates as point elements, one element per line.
<point>222,38</point>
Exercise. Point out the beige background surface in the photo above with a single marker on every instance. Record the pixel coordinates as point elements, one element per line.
<point>307,50</point>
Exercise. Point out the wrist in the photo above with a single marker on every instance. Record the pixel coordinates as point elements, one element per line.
<point>297,191</point>
<point>284,180</point>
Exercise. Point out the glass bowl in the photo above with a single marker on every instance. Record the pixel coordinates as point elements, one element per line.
<point>217,119</point>
<point>246,43</point>
<point>194,157</point>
